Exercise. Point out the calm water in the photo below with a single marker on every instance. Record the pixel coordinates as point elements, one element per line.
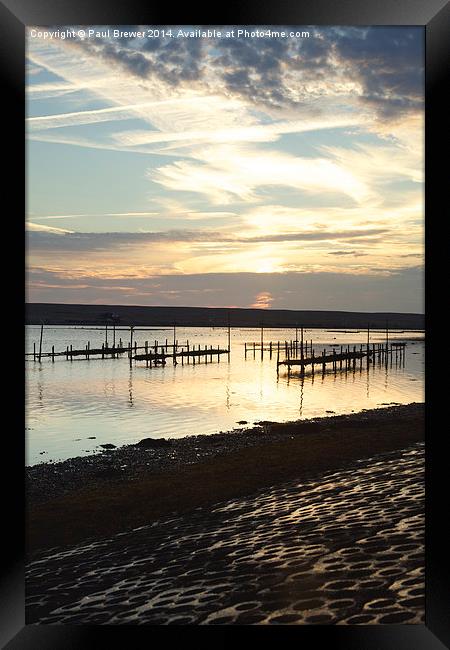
<point>68,403</point>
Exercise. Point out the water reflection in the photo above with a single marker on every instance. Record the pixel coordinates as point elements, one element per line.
<point>117,403</point>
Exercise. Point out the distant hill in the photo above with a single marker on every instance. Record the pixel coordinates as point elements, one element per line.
<point>62,314</point>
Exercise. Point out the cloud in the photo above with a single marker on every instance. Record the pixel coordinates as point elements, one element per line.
<point>263,300</point>
<point>382,67</point>
<point>396,292</point>
<point>49,238</point>
<point>47,230</point>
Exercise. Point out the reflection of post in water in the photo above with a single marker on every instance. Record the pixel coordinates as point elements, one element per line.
<point>367,379</point>
<point>130,388</point>
<point>40,393</point>
<point>302,385</point>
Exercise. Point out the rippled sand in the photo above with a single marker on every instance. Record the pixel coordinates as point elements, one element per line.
<point>347,547</point>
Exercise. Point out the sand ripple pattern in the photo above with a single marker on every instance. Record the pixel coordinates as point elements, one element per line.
<point>345,548</point>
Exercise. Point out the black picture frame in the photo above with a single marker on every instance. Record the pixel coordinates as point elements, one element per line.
<point>434,15</point>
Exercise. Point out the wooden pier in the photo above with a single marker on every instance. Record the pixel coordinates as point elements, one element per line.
<point>154,354</point>
<point>185,354</point>
<point>346,358</point>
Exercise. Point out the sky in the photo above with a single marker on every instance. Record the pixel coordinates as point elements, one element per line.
<point>226,171</point>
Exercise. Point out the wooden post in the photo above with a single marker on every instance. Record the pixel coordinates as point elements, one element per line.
<point>130,353</point>
<point>301,344</point>
<point>187,351</point>
<point>323,361</point>
<point>106,333</point>
<point>245,350</point>
<point>40,342</point>
<point>270,350</point>
<point>146,353</point>
<point>340,360</point>
<point>229,337</point>
<point>103,350</point>
<point>53,353</point>
<point>34,351</point>
<point>114,335</point>
<point>67,353</point>
<point>262,340</point>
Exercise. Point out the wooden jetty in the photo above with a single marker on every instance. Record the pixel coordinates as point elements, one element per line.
<point>346,359</point>
<point>185,354</point>
<point>154,354</point>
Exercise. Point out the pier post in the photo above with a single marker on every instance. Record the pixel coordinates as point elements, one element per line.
<point>34,351</point>
<point>71,355</point>
<point>229,336</point>
<point>262,340</point>
<point>53,353</point>
<point>40,342</point>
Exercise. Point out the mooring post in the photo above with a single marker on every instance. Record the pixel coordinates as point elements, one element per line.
<point>53,353</point>
<point>114,335</point>
<point>106,333</point>
<point>301,343</point>
<point>71,355</point>
<point>34,351</point>
<point>262,340</point>
<point>40,342</point>
<point>130,353</point>
<point>229,336</point>
<point>146,353</point>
